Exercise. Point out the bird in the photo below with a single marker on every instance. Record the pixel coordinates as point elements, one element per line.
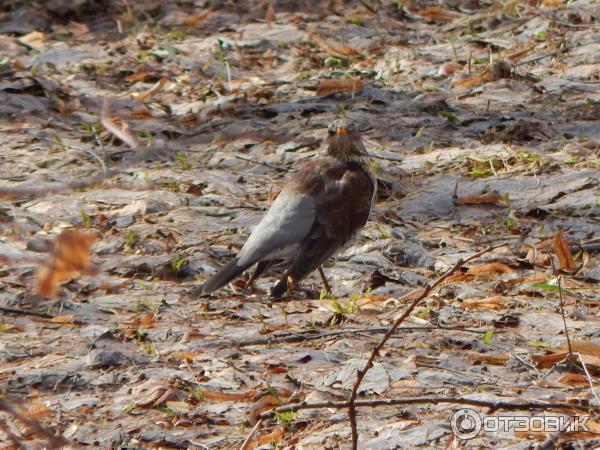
<point>321,208</point>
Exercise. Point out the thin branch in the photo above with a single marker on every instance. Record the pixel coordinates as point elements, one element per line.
<point>589,378</point>
<point>493,405</point>
<point>562,304</point>
<point>53,441</point>
<point>308,336</point>
<point>80,149</point>
<point>25,312</point>
<point>265,164</point>
<point>425,292</point>
<point>246,444</point>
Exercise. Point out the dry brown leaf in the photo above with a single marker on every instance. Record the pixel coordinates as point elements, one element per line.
<point>111,125</point>
<point>530,279</point>
<point>276,435</point>
<point>489,269</point>
<point>35,39</point>
<point>563,252</point>
<point>270,15</point>
<point>371,299</point>
<point>247,396</point>
<point>333,47</point>
<point>448,69</point>
<point>483,303</point>
<point>500,69</point>
<point>186,355</point>
<point>573,379</point>
<point>38,411</point>
<point>553,3</point>
<point>263,404</point>
<point>148,94</point>
<point>139,76</point>
<point>583,347</point>
<point>5,327</point>
<point>66,319</point>
<point>466,277</point>
<point>489,198</point>
<point>70,256</point>
<point>198,19</point>
<point>486,357</point>
<point>438,13</point>
<point>536,257</point>
<point>338,85</point>
<point>146,320</point>
<point>547,361</point>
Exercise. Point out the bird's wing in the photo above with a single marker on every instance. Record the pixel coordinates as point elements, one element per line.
<point>343,196</point>
<point>280,233</point>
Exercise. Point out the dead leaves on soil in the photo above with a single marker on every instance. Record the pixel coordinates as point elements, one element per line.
<point>70,256</point>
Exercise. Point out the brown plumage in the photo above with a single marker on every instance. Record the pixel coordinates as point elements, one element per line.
<point>320,209</point>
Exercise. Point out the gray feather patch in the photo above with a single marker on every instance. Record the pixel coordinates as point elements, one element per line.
<point>281,231</point>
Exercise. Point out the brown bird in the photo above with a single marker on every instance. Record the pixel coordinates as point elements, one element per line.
<point>320,209</point>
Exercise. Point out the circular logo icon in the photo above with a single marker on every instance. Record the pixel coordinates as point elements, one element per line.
<point>465,423</point>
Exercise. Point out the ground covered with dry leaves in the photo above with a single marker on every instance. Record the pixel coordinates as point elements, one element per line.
<point>141,140</point>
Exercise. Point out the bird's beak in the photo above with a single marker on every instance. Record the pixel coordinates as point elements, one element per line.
<point>342,131</point>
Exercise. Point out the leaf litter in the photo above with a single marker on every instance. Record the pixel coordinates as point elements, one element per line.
<point>165,129</point>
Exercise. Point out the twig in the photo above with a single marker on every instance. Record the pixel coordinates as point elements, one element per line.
<point>307,336</point>
<point>425,292</point>
<point>25,312</point>
<point>589,378</point>
<point>246,444</point>
<point>53,441</point>
<point>83,150</point>
<point>494,405</point>
<point>265,164</point>
<point>562,304</point>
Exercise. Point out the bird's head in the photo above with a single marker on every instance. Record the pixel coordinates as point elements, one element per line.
<point>344,141</point>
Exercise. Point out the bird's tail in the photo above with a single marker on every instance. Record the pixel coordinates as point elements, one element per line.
<point>223,276</point>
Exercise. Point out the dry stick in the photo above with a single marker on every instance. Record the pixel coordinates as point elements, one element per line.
<point>53,441</point>
<point>493,405</point>
<point>308,336</point>
<point>25,312</point>
<point>360,375</point>
<point>562,304</point>
<point>246,444</point>
<point>589,378</point>
<point>265,164</point>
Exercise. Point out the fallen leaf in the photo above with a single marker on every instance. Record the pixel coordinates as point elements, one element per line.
<point>66,319</point>
<point>563,252</point>
<point>70,256</point>
<point>448,69</point>
<point>489,198</point>
<point>229,396</point>
<point>486,357</point>
<point>548,360</point>
<point>333,47</point>
<point>483,303</point>
<point>437,13</point>
<point>501,69</point>
<point>490,269</point>
<point>270,15</point>
<point>146,320</point>
<point>274,436</point>
<point>573,379</point>
<point>338,85</point>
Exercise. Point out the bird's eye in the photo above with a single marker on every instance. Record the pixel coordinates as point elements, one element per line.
<point>331,130</point>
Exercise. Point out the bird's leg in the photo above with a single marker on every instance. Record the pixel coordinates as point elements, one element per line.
<point>260,268</point>
<point>286,283</point>
<point>324,279</point>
